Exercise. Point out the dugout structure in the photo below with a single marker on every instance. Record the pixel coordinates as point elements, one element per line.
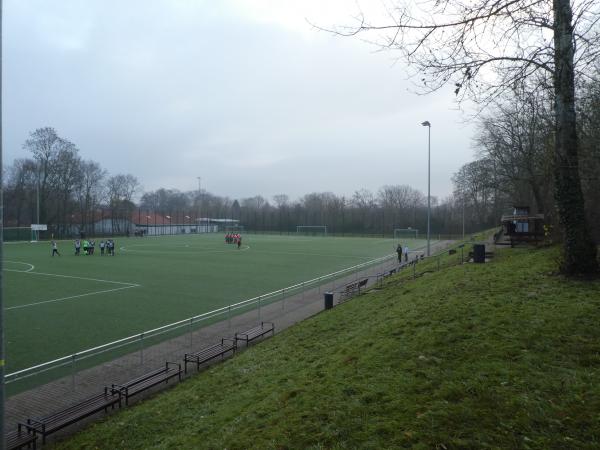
<point>311,230</point>
<point>406,233</point>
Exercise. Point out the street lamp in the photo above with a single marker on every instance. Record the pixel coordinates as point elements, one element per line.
<point>463,215</point>
<point>428,125</point>
<point>199,202</point>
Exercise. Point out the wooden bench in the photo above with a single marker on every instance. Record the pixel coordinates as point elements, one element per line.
<point>20,438</point>
<point>54,422</point>
<point>256,332</point>
<point>148,380</point>
<point>208,353</point>
<point>354,288</point>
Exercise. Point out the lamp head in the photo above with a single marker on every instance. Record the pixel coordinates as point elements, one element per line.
<point>426,123</point>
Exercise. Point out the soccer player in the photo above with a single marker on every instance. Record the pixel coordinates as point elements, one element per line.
<point>77,247</point>
<point>239,241</point>
<point>102,247</point>
<point>55,248</point>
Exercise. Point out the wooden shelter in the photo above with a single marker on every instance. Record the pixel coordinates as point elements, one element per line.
<point>522,227</point>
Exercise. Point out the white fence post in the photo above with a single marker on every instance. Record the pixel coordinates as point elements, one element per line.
<point>142,348</point>
<point>73,370</point>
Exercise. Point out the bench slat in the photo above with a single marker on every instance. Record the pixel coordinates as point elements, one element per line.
<point>208,353</point>
<point>61,419</point>
<point>148,380</point>
<point>20,438</point>
<point>255,332</point>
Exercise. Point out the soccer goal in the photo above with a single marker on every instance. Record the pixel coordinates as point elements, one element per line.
<point>406,233</point>
<point>23,234</point>
<point>235,229</point>
<point>311,230</point>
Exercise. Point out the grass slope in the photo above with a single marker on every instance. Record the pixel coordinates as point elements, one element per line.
<point>501,355</point>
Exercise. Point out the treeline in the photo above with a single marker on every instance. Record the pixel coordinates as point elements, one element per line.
<point>364,212</point>
<point>59,188</point>
<point>515,144</point>
<point>71,194</point>
<point>514,166</point>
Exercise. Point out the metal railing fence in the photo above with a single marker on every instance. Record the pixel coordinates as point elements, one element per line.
<point>77,361</point>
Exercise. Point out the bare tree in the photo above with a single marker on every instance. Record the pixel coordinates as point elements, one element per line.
<point>517,136</point>
<point>89,192</point>
<point>487,46</point>
<point>46,145</point>
<point>19,196</point>
<point>120,191</point>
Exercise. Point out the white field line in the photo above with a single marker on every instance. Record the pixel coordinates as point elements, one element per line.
<point>70,297</point>
<point>31,266</point>
<point>41,302</point>
<point>175,252</point>
<point>73,277</point>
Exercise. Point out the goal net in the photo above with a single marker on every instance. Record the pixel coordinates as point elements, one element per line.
<point>19,234</point>
<point>235,229</point>
<point>311,230</point>
<point>406,233</point>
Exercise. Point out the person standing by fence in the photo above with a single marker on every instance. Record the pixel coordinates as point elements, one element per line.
<point>406,253</point>
<point>399,251</point>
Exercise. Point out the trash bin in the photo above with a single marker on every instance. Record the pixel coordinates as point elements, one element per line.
<point>328,300</point>
<point>479,253</point>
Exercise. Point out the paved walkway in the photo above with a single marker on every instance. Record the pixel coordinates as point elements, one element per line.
<point>285,312</point>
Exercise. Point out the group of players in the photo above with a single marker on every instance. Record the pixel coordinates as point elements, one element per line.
<point>89,247</point>
<point>233,238</point>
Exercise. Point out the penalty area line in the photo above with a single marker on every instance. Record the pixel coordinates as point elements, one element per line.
<point>73,277</point>
<point>70,297</point>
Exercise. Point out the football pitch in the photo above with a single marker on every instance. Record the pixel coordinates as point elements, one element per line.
<point>56,306</point>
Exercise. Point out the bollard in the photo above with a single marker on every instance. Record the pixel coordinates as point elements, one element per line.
<point>478,253</point>
<point>328,299</point>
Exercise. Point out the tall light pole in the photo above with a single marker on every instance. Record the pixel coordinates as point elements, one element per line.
<point>428,125</point>
<point>463,215</point>
<point>199,202</point>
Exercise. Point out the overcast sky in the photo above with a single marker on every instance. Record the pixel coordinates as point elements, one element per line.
<point>242,93</point>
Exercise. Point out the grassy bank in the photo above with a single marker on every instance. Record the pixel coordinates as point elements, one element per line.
<point>498,355</point>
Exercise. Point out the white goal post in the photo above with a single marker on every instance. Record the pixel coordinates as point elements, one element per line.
<point>406,233</point>
<point>311,230</point>
<point>235,229</point>
<point>23,234</point>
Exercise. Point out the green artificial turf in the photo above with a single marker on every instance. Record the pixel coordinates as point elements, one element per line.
<point>498,355</point>
<point>56,306</point>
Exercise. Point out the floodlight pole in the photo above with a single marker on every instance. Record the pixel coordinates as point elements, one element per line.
<point>199,202</point>
<point>37,195</point>
<point>428,125</point>
<point>463,215</point>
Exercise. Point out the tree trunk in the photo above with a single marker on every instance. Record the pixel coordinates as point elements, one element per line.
<point>579,251</point>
